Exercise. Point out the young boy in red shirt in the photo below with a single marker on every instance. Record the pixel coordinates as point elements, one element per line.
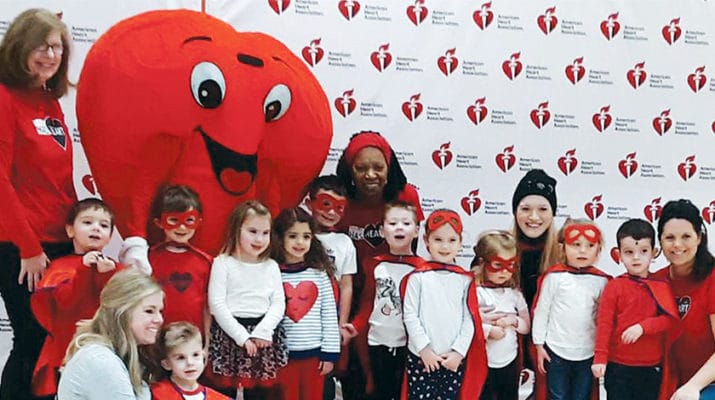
<point>634,314</point>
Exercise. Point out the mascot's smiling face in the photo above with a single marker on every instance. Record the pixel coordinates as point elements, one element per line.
<point>179,97</point>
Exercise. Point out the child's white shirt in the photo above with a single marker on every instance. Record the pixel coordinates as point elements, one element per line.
<point>341,251</point>
<point>565,314</point>
<point>503,351</point>
<point>386,325</point>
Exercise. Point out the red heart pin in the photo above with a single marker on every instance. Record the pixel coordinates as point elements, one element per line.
<point>88,183</point>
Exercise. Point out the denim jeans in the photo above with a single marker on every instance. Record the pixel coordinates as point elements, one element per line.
<point>568,380</point>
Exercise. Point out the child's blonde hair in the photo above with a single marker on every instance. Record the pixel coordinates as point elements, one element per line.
<point>403,205</point>
<point>235,221</point>
<point>175,334</point>
<point>490,244</point>
<point>576,221</point>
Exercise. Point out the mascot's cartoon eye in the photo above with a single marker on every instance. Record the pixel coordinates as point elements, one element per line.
<point>277,102</point>
<point>208,85</point>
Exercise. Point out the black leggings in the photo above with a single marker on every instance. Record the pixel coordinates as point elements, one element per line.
<point>388,369</point>
<point>502,383</point>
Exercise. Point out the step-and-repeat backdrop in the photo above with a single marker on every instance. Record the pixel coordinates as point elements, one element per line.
<point>614,99</point>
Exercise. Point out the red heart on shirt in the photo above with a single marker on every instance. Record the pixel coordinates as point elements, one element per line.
<point>299,299</point>
<point>180,281</point>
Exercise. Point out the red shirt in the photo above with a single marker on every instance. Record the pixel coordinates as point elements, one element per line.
<point>626,301</point>
<point>362,224</point>
<point>67,293</point>
<point>167,390</point>
<point>185,279</point>
<point>36,189</point>
<point>693,337</point>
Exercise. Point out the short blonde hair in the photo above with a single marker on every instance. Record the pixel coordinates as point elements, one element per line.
<point>176,334</point>
<point>489,244</point>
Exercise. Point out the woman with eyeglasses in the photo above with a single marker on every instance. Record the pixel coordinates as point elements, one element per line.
<point>684,243</point>
<point>36,188</point>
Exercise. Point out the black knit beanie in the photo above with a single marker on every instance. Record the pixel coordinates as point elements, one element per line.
<point>537,182</point>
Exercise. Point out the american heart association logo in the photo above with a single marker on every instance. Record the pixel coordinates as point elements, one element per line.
<point>345,104</point>
<point>568,163</point>
<point>477,112</point>
<point>709,213</point>
<point>349,8</point>
<point>611,26</point>
<point>381,58</point>
<point>575,71</point>
<point>448,62</point>
<point>637,76</point>
<point>279,6</point>
<point>697,79</point>
<point>471,202</point>
<point>506,159</point>
<point>548,21</point>
<point>615,255</point>
<point>313,53</point>
<point>541,115</point>
<point>88,183</point>
<point>687,168</point>
<point>443,156</point>
<point>671,32</point>
<point>512,67</point>
<point>484,16</point>
<point>653,210</point>
<point>418,12</point>
<point>628,166</point>
<point>662,123</point>
<point>594,208</point>
<point>412,108</point>
<point>602,119</point>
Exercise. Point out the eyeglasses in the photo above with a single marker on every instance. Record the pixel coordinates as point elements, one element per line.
<point>56,48</point>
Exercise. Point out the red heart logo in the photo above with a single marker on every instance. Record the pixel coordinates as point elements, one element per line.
<point>653,210</point>
<point>709,213</point>
<point>417,12</point>
<point>381,59</point>
<point>413,108</point>
<point>448,62</point>
<point>662,123</point>
<point>299,299</point>
<point>610,27</point>
<point>594,208</point>
<point>541,115</point>
<point>629,166</point>
<point>697,80</point>
<point>671,32</point>
<point>506,160</point>
<point>575,72</point>
<point>443,156</point>
<point>512,67</point>
<point>568,163</point>
<point>471,203</point>
<point>687,169</point>
<point>602,119</point>
<point>477,112</point>
<point>180,281</point>
<point>345,104</point>
<point>279,5</point>
<point>484,16</point>
<point>349,8</point>
<point>547,23</point>
<point>88,183</point>
<point>713,126</point>
<point>313,54</point>
<point>615,255</point>
<point>637,76</point>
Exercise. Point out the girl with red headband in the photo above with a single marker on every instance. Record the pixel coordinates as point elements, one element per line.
<point>564,328</point>
<point>496,271</point>
<point>446,357</point>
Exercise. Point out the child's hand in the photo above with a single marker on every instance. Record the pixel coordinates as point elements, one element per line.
<point>632,334</point>
<point>347,332</point>
<point>541,356</point>
<point>431,360</point>
<point>496,333</point>
<point>105,264</point>
<point>451,360</point>
<point>509,321</point>
<point>325,367</point>
<point>91,258</point>
<point>598,370</point>
<point>251,347</point>
<point>261,343</point>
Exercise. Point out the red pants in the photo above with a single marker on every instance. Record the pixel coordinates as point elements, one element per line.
<point>301,380</point>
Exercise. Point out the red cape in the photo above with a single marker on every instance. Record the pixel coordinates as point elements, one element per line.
<point>540,389</point>
<point>166,390</point>
<point>476,369</point>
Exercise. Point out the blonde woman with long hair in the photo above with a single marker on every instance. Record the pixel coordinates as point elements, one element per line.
<point>105,358</point>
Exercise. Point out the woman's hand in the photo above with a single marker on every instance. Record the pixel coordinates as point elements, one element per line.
<point>33,268</point>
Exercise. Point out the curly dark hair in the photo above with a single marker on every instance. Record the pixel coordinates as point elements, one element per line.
<point>316,257</point>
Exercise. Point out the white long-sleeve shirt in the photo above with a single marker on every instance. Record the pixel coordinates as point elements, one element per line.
<point>506,301</point>
<point>436,313</point>
<point>565,314</point>
<point>246,290</point>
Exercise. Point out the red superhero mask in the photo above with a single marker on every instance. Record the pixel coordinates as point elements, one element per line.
<point>326,203</point>
<point>441,217</point>
<point>191,101</point>
<point>575,231</point>
<point>496,264</point>
<point>172,220</point>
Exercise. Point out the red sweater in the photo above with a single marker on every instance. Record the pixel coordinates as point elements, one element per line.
<point>67,293</point>
<point>167,390</point>
<point>36,189</point>
<point>627,301</point>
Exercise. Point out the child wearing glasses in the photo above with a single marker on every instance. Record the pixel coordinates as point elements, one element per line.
<point>504,312</point>
<point>564,328</point>
<point>446,356</point>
